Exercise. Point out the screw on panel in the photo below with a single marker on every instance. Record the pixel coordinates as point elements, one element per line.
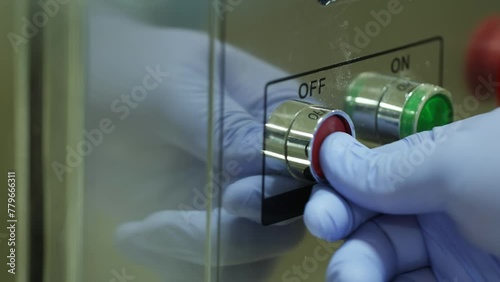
<point>326,2</point>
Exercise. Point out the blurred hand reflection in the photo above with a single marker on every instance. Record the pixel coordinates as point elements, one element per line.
<point>153,166</point>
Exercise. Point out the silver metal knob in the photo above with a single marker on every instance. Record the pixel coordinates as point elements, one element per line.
<point>385,108</point>
<point>294,134</point>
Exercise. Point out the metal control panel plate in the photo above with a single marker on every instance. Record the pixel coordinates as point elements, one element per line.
<point>422,60</point>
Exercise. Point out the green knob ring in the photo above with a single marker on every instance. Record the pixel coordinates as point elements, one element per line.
<point>422,99</point>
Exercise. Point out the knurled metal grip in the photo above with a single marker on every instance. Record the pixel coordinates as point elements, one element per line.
<point>294,134</point>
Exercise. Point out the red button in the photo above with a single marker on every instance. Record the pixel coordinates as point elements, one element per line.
<point>483,60</point>
<point>330,125</point>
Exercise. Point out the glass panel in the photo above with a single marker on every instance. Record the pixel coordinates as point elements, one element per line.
<point>147,127</point>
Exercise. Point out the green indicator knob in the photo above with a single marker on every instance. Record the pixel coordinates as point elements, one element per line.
<point>385,108</point>
<point>437,111</point>
<point>427,107</point>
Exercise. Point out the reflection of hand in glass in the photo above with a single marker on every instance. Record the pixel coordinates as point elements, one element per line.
<point>172,239</point>
<point>447,177</point>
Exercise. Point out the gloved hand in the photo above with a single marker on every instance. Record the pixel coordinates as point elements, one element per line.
<point>159,186</point>
<point>438,195</point>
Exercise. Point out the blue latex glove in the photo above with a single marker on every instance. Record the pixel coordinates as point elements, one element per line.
<point>442,191</point>
<point>150,172</point>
